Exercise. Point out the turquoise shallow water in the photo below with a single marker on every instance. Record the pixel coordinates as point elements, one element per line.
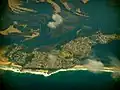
<point>104,15</point>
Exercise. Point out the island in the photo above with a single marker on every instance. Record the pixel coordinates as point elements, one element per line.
<point>68,57</point>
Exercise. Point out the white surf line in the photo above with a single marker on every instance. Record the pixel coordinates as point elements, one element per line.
<point>23,71</point>
<point>17,70</point>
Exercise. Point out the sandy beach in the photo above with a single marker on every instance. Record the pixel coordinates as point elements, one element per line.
<point>45,73</point>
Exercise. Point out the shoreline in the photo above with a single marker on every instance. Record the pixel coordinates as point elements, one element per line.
<point>45,74</point>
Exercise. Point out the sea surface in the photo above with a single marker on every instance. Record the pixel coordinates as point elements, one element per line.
<point>77,80</point>
<point>104,16</point>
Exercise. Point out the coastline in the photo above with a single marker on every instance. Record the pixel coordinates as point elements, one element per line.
<point>46,74</point>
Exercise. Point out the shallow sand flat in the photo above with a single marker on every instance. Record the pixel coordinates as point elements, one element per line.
<point>10,30</point>
<point>16,6</point>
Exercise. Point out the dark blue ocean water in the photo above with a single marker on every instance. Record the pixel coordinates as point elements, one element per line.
<point>78,80</point>
<point>104,16</point>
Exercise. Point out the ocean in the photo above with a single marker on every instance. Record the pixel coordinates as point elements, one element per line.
<point>104,16</point>
<point>77,80</point>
